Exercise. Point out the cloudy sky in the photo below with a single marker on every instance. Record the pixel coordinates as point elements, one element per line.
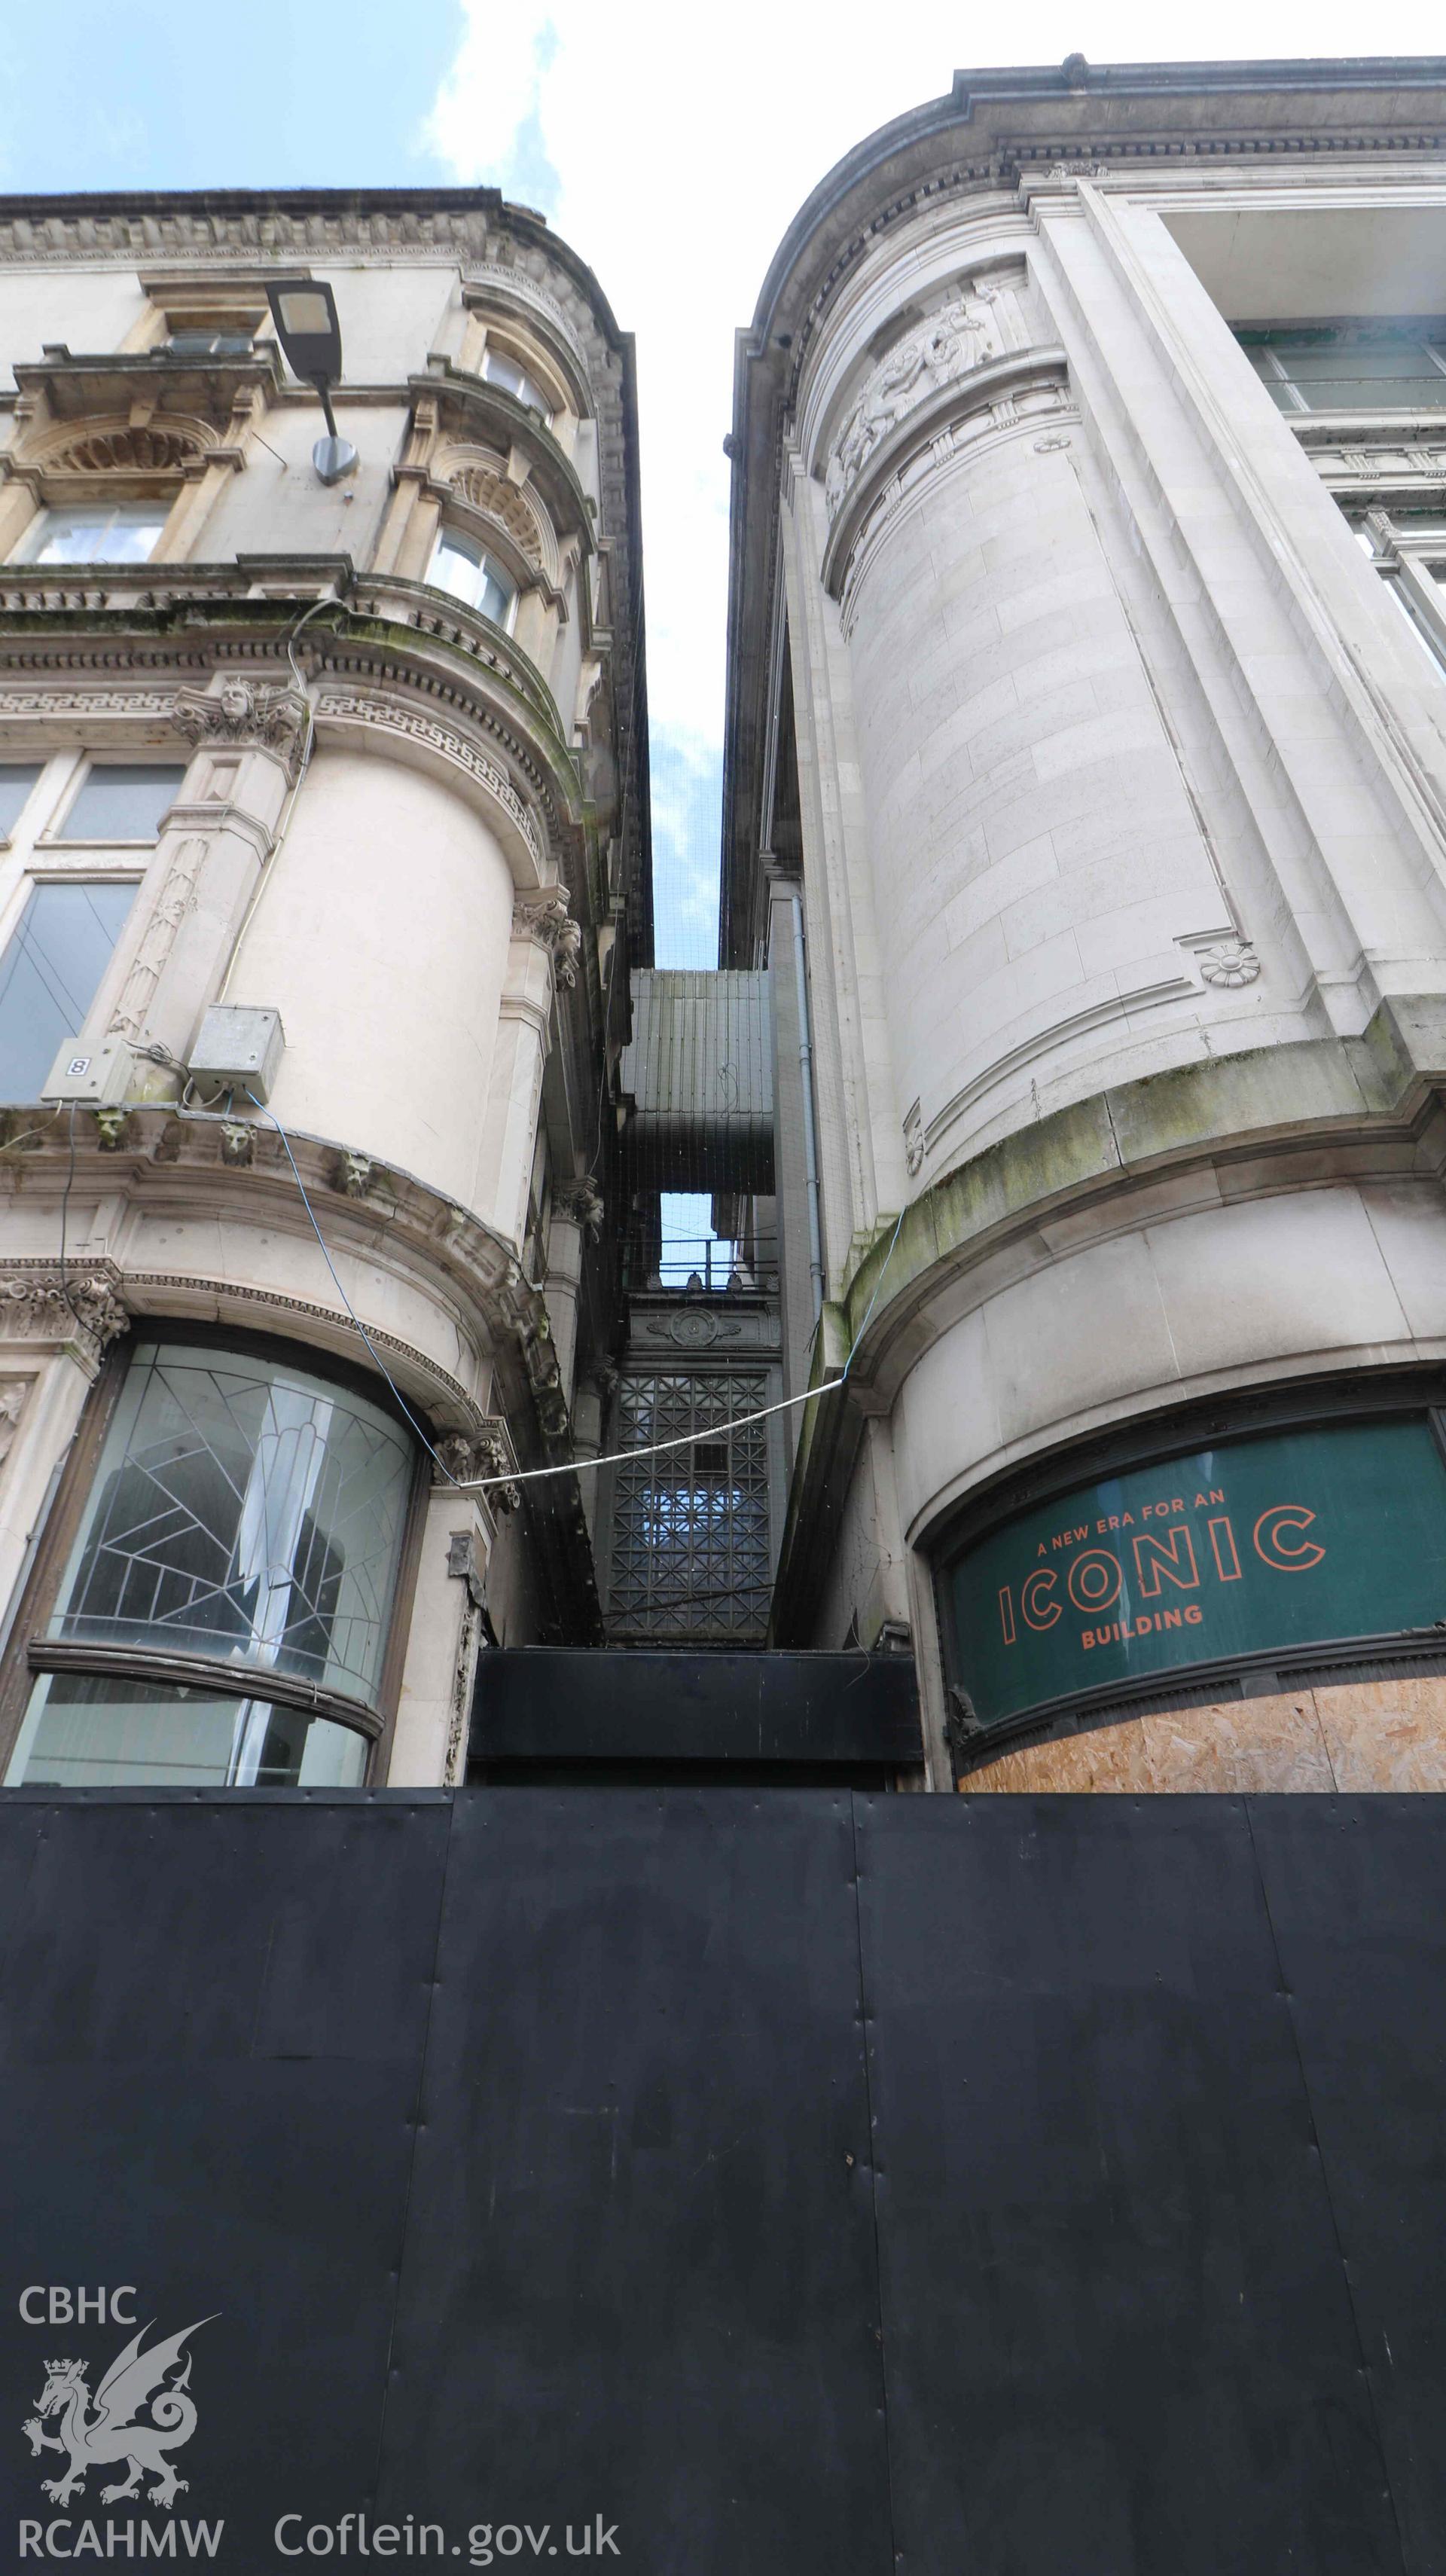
<point>669,145</point>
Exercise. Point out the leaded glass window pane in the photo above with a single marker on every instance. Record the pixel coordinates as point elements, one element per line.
<point>245,1511</point>
<point>103,1731</point>
<point>49,976</point>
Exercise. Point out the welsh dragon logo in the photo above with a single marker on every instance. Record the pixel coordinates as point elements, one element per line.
<point>108,2427</point>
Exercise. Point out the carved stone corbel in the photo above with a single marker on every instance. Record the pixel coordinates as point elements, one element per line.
<point>34,1309</point>
<point>581,1203</point>
<point>246,714</point>
<point>545,919</point>
<point>467,1456</point>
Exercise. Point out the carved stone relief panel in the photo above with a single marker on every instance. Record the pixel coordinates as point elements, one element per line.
<point>177,898</point>
<point>961,335</point>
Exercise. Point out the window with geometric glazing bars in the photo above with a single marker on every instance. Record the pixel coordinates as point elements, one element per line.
<point>247,1515</point>
<point>690,1545</point>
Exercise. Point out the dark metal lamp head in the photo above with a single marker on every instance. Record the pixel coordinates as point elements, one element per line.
<point>304,312</point>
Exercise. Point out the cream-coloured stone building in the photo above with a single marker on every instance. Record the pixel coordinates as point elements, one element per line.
<point>323,853</point>
<point>1087,745</point>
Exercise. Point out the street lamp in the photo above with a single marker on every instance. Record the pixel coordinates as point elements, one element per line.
<point>304,312</point>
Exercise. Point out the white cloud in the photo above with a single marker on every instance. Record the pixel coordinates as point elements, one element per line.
<point>671,149</point>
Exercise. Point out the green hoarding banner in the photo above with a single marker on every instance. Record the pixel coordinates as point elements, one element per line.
<point>1287,1540</point>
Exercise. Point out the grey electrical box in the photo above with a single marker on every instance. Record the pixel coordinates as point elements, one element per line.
<point>238,1049</point>
<point>98,1074</point>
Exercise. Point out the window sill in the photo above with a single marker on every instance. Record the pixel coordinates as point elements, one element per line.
<point>226,1680</point>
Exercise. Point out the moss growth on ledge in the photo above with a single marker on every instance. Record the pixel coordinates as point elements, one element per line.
<point>1272,1094</point>
<point>1309,1092</point>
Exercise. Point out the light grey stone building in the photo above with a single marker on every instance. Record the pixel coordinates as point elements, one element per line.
<point>1086,794</point>
<point>325,854</point>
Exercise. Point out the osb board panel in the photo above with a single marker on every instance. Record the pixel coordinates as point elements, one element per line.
<point>1360,1736</point>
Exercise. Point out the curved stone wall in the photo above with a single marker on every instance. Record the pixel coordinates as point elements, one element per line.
<point>1190,1301</point>
<point>404,892</point>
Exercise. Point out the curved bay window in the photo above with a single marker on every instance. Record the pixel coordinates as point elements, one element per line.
<point>223,1615</point>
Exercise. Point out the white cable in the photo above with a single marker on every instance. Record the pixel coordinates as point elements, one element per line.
<point>570,1466</point>
<point>731,1422</point>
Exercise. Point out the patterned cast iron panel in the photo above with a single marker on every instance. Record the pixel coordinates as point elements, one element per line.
<point>640,2280</point>
<point>1119,2331</point>
<point>212,2016</point>
<point>690,1545</point>
<point>1354,1887</point>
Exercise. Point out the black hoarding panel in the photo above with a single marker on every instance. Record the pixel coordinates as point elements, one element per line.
<point>212,2018</point>
<point>573,1704</point>
<point>640,2279</point>
<point>1357,1895</point>
<point>1118,2334</point>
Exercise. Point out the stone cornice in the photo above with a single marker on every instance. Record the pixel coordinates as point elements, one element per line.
<point>1335,1108</point>
<point>159,1162</point>
<point>390,1222</point>
<point>417,667</point>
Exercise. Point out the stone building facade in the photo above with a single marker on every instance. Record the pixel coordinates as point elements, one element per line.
<point>369,760</point>
<point>1087,749</point>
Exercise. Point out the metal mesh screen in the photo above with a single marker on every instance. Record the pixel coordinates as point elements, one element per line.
<point>690,1552</point>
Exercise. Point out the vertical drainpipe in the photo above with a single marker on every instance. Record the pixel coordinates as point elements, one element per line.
<point>810,1137</point>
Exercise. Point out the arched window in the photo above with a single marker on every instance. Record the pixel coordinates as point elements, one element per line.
<point>463,566</point>
<point>223,1613</point>
<point>499,369</point>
